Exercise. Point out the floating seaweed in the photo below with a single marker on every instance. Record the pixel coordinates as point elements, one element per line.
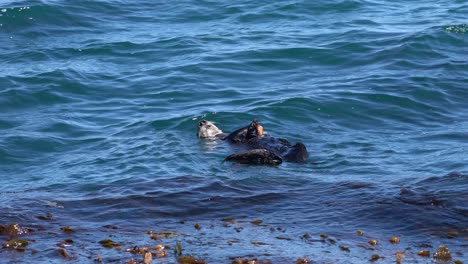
<point>452,234</point>
<point>147,258</point>
<point>46,217</point>
<point>283,238</point>
<point>158,247</point>
<point>131,261</point>
<point>463,28</point>
<point>344,248</point>
<point>303,261</point>
<point>14,230</point>
<point>232,241</point>
<point>394,240</point>
<point>365,246</point>
<point>256,222</point>
<point>65,243</point>
<point>399,257</point>
<point>189,260</point>
<point>160,254</point>
<point>375,257</point>
<point>159,251</point>
<point>442,254</point>
<point>229,220</point>
<point>239,229</point>
<point>167,234</point>
<point>251,261</point>
<point>258,243</point>
<point>178,249</point>
<point>15,244</point>
<point>161,235</point>
<point>67,229</point>
<point>136,250</point>
<point>107,243</point>
<point>62,252</point>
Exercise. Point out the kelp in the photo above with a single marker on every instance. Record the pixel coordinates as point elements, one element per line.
<point>15,244</point>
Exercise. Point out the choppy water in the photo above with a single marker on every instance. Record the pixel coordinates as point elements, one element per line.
<point>99,102</point>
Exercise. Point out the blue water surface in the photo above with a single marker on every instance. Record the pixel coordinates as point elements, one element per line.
<point>100,101</point>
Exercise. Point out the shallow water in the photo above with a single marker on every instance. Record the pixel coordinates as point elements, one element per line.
<point>99,103</point>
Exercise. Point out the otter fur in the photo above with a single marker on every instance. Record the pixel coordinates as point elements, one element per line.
<point>260,148</point>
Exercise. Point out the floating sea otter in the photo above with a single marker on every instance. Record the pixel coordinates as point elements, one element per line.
<point>261,148</point>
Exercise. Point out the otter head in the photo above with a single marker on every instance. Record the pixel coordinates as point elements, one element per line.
<point>207,129</point>
<point>255,130</point>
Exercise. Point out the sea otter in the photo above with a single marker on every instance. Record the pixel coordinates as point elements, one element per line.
<point>260,147</point>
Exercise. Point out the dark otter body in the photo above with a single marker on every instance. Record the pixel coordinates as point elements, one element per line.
<point>264,149</point>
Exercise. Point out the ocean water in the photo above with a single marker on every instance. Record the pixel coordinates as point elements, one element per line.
<point>100,100</point>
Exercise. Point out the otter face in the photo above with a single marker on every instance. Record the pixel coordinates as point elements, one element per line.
<point>255,130</point>
<point>207,129</point>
